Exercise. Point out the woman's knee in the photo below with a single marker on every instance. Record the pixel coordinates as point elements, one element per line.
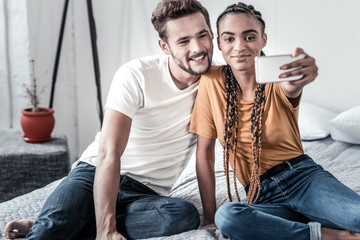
<point>354,224</point>
<point>227,216</point>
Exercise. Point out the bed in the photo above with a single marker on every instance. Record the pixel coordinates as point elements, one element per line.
<point>339,157</point>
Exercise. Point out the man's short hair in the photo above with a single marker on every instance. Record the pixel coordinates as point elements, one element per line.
<point>173,9</point>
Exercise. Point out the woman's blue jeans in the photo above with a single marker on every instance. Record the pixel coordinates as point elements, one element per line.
<point>69,212</point>
<point>292,205</point>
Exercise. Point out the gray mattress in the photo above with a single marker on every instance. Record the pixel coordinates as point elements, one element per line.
<point>341,159</point>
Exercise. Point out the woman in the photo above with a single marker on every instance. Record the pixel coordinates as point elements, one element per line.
<point>289,196</point>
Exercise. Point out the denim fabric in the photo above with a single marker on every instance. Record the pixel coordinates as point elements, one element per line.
<point>290,203</point>
<point>69,212</point>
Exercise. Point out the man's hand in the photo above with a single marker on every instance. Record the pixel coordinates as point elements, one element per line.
<point>110,236</point>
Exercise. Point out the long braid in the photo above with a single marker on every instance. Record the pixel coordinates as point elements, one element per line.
<point>234,84</point>
<point>231,116</point>
<point>256,132</point>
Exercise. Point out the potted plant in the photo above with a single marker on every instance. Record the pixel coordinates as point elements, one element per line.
<point>37,122</point>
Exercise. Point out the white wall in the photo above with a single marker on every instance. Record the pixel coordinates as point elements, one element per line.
<point>14,51</point>
<point>326,30</point>
<point>330,32</point>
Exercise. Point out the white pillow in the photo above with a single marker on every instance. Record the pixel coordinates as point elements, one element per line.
<point>314,121</point>
<point>346,126</point>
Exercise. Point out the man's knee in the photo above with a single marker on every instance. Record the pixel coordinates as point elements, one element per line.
<point>180,214</point>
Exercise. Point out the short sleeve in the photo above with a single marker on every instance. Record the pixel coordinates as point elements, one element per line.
<point>279,92</point>
<point>125,94</point>
<point>202,121</point>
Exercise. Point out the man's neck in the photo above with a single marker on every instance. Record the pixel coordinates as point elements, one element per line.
<point>181,78</point>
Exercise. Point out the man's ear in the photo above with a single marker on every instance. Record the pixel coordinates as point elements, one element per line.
<point>164,47</point>
<point>218,43</point>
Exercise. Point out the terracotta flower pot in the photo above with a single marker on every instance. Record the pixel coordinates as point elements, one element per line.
<point>37,126</point>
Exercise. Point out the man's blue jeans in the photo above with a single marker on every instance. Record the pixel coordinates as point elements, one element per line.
<point>292,205</point>
<point>69,212</point>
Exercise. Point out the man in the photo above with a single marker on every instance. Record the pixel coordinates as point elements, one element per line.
<point>144,143</point>
<point>143,146</point>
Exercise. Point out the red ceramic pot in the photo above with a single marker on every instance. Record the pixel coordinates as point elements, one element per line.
<point>37,126</point>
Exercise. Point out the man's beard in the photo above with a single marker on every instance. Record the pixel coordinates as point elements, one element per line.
<point>189,69</point>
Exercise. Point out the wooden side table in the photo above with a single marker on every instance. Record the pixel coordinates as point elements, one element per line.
<point>27,166</point>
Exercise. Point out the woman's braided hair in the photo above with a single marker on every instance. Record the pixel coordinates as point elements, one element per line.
<point>231,116</point>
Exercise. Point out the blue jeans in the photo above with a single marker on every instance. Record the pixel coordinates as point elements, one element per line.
<point>292,205</point>
<point>69,212</point>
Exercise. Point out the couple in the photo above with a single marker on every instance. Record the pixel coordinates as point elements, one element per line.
<point>146,142</point>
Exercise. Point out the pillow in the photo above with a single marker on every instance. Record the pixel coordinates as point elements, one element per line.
<point>314,121</point>
<point>346,126</point>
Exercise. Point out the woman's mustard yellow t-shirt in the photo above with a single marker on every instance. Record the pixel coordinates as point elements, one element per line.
<point>280,138</point>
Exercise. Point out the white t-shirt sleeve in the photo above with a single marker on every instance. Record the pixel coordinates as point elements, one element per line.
<point>125,94</point>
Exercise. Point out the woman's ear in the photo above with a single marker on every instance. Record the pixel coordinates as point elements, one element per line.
<point>264,38</point>
<point>164,47</point>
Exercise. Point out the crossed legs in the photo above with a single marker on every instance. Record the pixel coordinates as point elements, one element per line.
<point>293,205</point>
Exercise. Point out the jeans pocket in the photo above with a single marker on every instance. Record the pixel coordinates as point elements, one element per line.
<point>83,171</point>
<point>305,165</point>
<point>129,184</point>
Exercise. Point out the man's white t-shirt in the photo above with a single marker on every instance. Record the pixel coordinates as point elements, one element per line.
<point>160,144</point>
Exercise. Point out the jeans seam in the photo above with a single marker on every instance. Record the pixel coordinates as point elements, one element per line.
<point>283,192</point>
<point>80,229</point>
<point>309,215</point>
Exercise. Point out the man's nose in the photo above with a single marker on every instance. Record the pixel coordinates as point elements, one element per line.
<point>195,45</point>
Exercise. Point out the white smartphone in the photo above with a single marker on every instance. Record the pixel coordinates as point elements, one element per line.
<point>267,68</point>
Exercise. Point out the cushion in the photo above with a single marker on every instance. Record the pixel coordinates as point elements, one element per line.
<point>346,126</point>
<point>314,121</point>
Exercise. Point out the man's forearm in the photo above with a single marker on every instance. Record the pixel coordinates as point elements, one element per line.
<point>106,185</point>
<point>114,136</point>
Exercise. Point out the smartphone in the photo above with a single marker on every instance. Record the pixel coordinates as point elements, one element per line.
<point>267,68</point>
